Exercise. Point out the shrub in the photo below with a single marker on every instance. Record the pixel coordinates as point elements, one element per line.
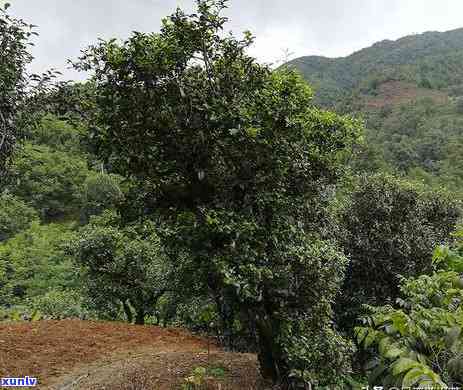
<point>321,356</point>
<point>15,216</point>
<point>33,262</point>
<point>391,229</point>
<point>60,304</point>
<point>420,342</point>
<point>51,181</point>
<point>57,134</point>
<point>126,266</point>
<point>101,191</point>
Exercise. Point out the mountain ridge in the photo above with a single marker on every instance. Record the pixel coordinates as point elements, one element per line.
<point>409,92</point>
<point>432,60</point>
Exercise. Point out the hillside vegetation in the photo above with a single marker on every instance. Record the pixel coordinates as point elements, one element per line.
<point>430,60</point>
<point>410,94</point>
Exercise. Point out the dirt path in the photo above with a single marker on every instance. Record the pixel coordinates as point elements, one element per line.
<point>74,354</point>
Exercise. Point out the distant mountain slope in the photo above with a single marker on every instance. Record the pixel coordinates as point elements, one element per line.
<point>431,60</point>
<point>410,93</point>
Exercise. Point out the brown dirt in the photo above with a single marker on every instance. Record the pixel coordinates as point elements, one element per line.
<point>166,371</point>
<point>73,354</point>
<point>393,93</point>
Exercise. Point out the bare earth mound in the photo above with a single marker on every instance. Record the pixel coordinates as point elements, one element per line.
<point>73,354</point>
<point>394,93</point>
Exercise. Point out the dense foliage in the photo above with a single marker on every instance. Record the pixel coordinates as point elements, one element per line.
<point>422,139</point>
<point>419,342</point>
<point>15,216</point>
<point>14,57</point>
<point>390,230</point>
<point>50,180</point>
<point>33,262</point>
<point>124,267</point>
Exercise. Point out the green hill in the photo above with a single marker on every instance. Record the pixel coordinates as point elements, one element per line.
<point>410,93</point>
<point>431,60</point>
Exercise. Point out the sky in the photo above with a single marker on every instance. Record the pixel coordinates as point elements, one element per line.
<point>283,29</point>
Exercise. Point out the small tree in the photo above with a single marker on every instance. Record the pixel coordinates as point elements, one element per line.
<point>101,191</point>
<point>391,227</point>
<point>124,266</point>
<point>234,159</point>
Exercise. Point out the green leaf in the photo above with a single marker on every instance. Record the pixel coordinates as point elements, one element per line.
<point>393,352</point>
<point>403,364</point>
<point>252,132</point>
<point>200,371</point>
<point>370,338</point>
<point>452,336</point>
<point>15,315</point>
<point>455,366</point>
<point>413,377</point>
<point>384,345</point>
<point>376,373</point>
<point>36,316</point>
<point>217,372</point>
<point>360,334</point>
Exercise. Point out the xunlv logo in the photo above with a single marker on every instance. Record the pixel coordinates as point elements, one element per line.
<point>18,382</point>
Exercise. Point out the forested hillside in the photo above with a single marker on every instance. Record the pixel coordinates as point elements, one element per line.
<point>410,93</point>
<point>184,184</point>
<point>430,60</point>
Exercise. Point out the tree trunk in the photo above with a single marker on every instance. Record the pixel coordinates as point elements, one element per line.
<point>269,355</point>
<point>227,317</point>
<point>140,317</point>
<point>128,312</point>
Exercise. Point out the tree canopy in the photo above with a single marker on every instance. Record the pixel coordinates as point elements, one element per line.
<point>14,57</point>
<point>236,163</point>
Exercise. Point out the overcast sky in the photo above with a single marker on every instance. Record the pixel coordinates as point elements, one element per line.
<point>331,28</point>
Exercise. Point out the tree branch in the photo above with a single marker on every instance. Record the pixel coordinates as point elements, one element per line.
<point>3,129</point>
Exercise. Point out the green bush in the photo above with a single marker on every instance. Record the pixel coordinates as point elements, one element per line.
<point>57,134</point>
<point>391,228</point>
<point>125,266</point>
<point>420,341</point>
<point>33,262</point>
<point>19,313</point>
<point>15,216</point>
<point>60,304</point>
<point>321,356</point>
<point>101,191</point>
<point>49,180</point>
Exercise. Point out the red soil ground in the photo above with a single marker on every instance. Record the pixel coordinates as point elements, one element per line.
<point>73,354</point>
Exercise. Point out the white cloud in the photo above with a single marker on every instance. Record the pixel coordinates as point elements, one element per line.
<point>304,27</point>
